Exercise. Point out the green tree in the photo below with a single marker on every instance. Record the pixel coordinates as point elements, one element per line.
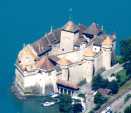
<point>128,109</point>
<point>99,99</point>
<point>77,108</point>
<point>122,77</point>
<point>113,86</point>
<point>127,97</point>
<point>65,105</point>
<point>119,59</point>
<point>125,49</point>
<point>99,82</point>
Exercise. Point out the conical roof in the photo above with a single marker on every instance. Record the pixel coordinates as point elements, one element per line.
<point>64,61</point>
<point>107,41</point>
<point>27,51</point>
<point>89,52</point>
<point>69,26</point>
<point>93,29</point>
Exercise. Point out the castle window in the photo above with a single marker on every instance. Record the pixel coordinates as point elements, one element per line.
<point>39,71</point>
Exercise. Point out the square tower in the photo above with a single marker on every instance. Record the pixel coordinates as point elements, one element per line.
<point>69,34</point>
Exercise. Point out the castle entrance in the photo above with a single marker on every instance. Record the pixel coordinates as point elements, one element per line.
<point>49,89</point>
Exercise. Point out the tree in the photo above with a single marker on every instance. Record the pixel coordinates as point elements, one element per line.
<point>127,66</point>
<point>120,59</point>
<point>128,109</point>
<point>122,77</point>
<point>77,108</point>
<point>99,82</point>
<point>127,97</point>
<point>65,105</point>
<point>99,99</point>
<point>113,86</point>
<point>125,49</point>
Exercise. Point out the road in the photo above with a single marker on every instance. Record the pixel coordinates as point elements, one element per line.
<point>114,99</point>
<point>119,105</point>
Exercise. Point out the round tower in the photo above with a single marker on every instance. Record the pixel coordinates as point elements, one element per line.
<point>106,52</point>
<point>27,57</point>
<point>64,63</point>
<point>89,65</point>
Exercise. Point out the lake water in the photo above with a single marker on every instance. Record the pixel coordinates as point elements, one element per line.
<point>24,21</point>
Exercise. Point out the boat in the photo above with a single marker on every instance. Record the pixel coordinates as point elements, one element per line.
<point>55,95</point>
<point>46,104</point>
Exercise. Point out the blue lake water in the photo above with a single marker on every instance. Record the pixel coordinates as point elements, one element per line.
<point>24,21</point>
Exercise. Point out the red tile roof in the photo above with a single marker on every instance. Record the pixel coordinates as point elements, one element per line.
<point>45,64</point>
<point>67,83</point>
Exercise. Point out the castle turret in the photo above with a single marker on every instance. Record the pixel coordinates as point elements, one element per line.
<point>106,52</point>
<point>68,36</point>
<point>89,65</point>
<point>27,57</point>
<point>64,63</point>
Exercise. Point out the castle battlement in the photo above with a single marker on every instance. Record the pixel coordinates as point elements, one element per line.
<point>69,54</point>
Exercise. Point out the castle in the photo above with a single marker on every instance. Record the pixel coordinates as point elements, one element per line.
<point>64,57</point>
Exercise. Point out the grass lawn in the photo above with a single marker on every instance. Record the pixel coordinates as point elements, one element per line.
<point>125,87</point>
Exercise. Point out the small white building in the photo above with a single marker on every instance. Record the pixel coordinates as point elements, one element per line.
<point>61,59</point>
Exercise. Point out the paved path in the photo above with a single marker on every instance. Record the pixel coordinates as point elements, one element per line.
<point>89,97</point>
<point>119,105</point>
<point>115,69</point>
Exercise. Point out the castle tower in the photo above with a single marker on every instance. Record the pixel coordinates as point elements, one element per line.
<point>64,63</point>
<point>89,65</point>
<point>48,66</point>
<point>27,57</point>
<point>106,52</point>
<point>68,36</point>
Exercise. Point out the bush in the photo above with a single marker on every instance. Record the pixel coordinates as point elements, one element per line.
<point>128,109</point>
<point>65,105</point>
<point>91,111</point>
<point>77,108</point>
<point>125,49</point>
<point>113,86</point>
<point>119,59</point>
<point>99,82</point>
<point>99,99</point>
<point>81,95</point>
<point>122,77</point>
<point>97,107</point>
<point>127,97</point>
